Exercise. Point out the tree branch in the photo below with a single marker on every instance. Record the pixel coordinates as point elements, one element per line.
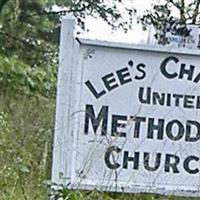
<point>196,12</point>
<point>2,4</point>
<point>182,12</point>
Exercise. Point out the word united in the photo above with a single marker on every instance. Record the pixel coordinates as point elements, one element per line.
<point>123,76</point>
<point>102,122</point>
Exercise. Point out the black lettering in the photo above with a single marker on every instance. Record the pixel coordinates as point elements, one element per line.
<point>189,72</point>
<point>110,81</point>
<point>110,155</point>
<point>186,164</point>
<point>164,65</point>
<point>158,98</point>
<point>130,63</point>
<point>140,67</point>
<point>196,80</point>
<point>147,164</point>
<point>116,124</point>
<point>152,127</point>
<point>142,99</point>
<point>198,102</point>
<point>134,159</point>
<point>188,101</point>
<point>93,90</point>
<point>138,121</point>
<point>189,131</point>
<point>124,76</point>
<point>177,98</point>
<point>168,99</point>
<point>169,131</point>
<point>171,162</point>
<point>102,116</point>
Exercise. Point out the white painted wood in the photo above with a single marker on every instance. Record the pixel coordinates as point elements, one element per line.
<point>88,165</point>
<point>61,168</point>
<point>119,45</point>
<point>79,158</point>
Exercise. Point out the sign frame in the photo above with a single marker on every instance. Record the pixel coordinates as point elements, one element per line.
<point>68,100</point>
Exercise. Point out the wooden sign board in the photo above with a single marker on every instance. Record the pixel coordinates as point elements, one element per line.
<point>127,117</point>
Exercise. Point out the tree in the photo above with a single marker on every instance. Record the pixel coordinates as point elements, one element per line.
<point>30,28</point>
<point>29,32</point>
<point>173,16</point>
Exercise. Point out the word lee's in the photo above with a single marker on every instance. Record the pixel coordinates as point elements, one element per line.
<point>123,76</point>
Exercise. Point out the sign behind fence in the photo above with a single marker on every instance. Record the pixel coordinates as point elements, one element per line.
<point>128,117</point>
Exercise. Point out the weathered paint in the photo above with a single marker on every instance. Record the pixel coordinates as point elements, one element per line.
<point>127,117</point>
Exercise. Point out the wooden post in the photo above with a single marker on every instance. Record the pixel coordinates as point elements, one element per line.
<point>61,149</point>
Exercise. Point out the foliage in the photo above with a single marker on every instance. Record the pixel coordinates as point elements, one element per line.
<point>62,193</point>
<point>29,29</point>
<point>18,77</point>
<point>25,131</point>
<point>109,11</point>
<point>29,32</point>
<point>172,16</point>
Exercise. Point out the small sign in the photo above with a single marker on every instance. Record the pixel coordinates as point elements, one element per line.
<point>127,117</point>
<point>189,41</point>
<point>173,39</point>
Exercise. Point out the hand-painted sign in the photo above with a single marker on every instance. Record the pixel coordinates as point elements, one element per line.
<point>128,117</point>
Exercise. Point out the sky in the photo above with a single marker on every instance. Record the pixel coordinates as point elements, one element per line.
<point>100,30</point>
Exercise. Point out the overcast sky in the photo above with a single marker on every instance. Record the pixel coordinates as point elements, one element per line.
<point>99,29</point>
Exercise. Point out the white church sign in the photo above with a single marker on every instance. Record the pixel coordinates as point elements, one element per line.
<point>127,118</point>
